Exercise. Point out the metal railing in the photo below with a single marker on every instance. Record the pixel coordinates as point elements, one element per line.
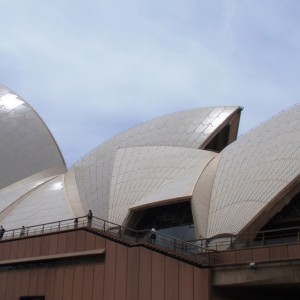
<point>188,250</point>
<point>250,240</point>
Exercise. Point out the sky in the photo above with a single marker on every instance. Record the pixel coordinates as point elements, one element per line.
<point>92,69</point>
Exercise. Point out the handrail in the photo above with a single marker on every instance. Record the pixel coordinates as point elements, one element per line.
<point>162,241</point>
<point>191,248</point>
<point>252,239</point>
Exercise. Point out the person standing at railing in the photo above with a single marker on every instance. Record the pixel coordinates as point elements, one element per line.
<point>76,223</point>
<point>2,230</point>
<point>153,235</point>
<point>22,232</point>
<point>90,218</point>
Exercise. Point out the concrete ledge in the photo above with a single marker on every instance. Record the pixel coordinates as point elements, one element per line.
<point>261,274</point>
<point>52,257</point>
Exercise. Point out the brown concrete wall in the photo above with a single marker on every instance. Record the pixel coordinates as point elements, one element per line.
<point>260,254</point>
<point>125,273</point>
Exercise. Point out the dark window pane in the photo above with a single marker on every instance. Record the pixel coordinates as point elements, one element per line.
<point>174,219</point>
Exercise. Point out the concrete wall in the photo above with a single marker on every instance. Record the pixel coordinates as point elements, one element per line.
<point>270,272</point>
<point>260,254</point>
<point>123,273</point>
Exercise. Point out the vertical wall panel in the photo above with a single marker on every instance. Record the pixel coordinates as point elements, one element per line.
<point>41,282</point>
<point>227,257</point>
<point>90,241</point>
<point>158,276</point>
<point>98,282</point>
<point>261,254</point>
<point>171,279</point>
<point>121,272</point>
<point>25,282</point>
<point>202,284</point>
<point>186,282</point>
<point>2,245</point>
<point>6,251</point>
<point>21,248</point>
<point>294,251</point>
<point>68,283</point>
<point>133,273</point>
<point>244,255</point>
<point>17,285</point>
<point>59,283</point>
<point>278,252</point>
<point>100,243</point>
<point>71,241</point>
<point>28,247</point>
<point>3,284</point>
<point>62,243</point>
<point>110,270</point>
<point>53,243</point>
<point>13,249</point>
<point>10,285</point>
<point>87,284</point>
<point>145,274</point>
<point>50,283</point>
<point>33,282</point>
<point>36,249</point>
<point>45,245</point>
<point>77,283</point>
<point>80,240</point>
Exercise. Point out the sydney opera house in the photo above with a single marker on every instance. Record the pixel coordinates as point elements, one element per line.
<point>226,209</point>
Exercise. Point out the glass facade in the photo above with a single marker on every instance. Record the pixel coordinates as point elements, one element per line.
<point>174,220</point>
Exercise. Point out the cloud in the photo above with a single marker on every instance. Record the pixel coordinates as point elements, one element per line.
<point>98,67</point>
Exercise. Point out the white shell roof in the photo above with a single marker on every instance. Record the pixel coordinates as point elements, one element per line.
<point>45,203</point>
<point>159,161</point>
<point>144,176</point>
<point>26,145</point>
<point>189,129</point>
<point>253,170</point>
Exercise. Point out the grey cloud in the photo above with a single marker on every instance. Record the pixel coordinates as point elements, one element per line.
<point>98,67</point>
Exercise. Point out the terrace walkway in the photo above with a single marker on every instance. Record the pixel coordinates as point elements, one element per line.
<point>173,247</point>
<point>270,246</point>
